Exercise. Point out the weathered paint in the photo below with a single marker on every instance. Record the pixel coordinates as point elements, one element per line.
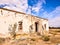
<point>8,17</point>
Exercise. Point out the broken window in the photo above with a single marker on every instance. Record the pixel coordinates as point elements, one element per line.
<point>20,25</point>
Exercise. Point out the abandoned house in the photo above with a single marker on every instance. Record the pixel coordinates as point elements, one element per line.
<point>26,23</point>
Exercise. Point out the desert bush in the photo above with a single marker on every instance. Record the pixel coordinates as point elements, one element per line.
<point>33,39</point>
<point>12,30</point>
<point>38,34</point>
<point>45,38</point>
<point>57,31</point>
<point>22,44</point>
<point>2,40</point>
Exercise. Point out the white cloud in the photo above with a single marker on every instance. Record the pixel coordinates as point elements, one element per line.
<point>54,17</point>
<point>38,6</point>
<point>55,12</point>
<point>45,14</point>
<point>54,22</point>
<point>21,5</point>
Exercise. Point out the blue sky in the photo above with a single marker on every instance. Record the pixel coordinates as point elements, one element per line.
<point>49,9</point>
<point>51,5</point>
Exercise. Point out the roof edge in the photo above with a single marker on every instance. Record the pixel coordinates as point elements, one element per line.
<point>22,13</point>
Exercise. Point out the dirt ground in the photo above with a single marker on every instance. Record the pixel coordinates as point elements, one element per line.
<point>27,42</point>
<point>33,40</point>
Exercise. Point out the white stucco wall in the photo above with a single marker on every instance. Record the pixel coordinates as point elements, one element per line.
<point>10,17</point>
<point>45,22</point>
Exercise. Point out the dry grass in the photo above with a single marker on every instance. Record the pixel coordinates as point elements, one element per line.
<point>32,39</point>
<point>55,36</point>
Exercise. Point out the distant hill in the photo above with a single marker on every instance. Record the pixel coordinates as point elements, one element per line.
<point>54,27</point>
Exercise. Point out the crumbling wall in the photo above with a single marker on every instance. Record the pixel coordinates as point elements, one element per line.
<point>28,22</point>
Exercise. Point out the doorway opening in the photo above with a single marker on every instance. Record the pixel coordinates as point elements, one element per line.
<point>36,26</point>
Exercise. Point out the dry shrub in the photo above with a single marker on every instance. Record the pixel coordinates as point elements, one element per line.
<point>38,34</point>
<point>33,39</point>
<point>2,40</point>
<point>45,38</point>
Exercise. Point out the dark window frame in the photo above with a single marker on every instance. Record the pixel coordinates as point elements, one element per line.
<point>20,25</point>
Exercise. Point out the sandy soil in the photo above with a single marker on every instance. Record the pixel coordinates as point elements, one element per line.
<point>33,40</point>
